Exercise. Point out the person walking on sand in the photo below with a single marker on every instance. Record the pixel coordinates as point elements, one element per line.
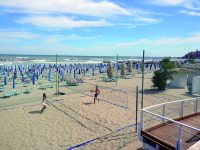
<point>97,92</point>
<point>44,102</point>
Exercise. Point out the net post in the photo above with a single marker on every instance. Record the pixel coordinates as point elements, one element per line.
<point>136,118</point>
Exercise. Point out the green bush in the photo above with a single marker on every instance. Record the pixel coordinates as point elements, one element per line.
<point>161,76</point>
<point>110,71</point>
<point>159,80</point>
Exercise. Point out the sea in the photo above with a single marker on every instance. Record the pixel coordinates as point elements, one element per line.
<point>67,59</point>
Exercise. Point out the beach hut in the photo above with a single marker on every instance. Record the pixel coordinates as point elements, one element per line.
<point>192,86</point>
<point>180,78</point>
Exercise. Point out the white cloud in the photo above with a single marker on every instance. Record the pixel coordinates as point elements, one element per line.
<point>79,37</point>
<point>82,7</point>
<point>148,20</point>
<point>16,35</point>
<point>167,2</point>
<point>190,13</point>
<point>163,41</point>
<point>61,22</point>
<point>189,4</point>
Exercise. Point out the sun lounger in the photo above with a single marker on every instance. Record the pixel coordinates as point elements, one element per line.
<point>70,83</point>
<point>7,95</point>
<point>27,91</point>
<point>43,87</point>
<point>16,92</point>
<point>111,80</point>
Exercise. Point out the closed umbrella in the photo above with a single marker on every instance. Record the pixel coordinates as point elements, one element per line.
<point>5,81</point>
<point>13,83</point>
<point>33,79</point>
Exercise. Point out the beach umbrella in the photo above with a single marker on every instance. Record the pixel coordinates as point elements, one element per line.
<point>37,75</point>
<point>33,79</point>
<point>74,73</point>
<point>8,72</point>
<point>150,66</point>
<point>15,75</point>
<point>49,76</point>
<point>22,77</point>
<point>92,71</point>
<point>79,71</point>
<point>70,70</point>
<point>155,66</point>
<point>13,83</point>
<point>5,81</point>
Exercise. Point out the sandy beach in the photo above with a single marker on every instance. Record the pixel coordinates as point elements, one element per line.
<point>72,119</point>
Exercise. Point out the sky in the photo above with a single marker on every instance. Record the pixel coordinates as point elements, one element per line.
<point>100,27</point>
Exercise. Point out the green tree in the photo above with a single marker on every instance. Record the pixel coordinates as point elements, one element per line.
<point>110,71</point>
<point>161,76</point>
<point>122,69</point>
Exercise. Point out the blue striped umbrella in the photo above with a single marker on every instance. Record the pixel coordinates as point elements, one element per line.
<point>13,83</point>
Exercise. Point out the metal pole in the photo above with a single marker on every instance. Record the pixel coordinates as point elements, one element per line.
<point>58,83</point>
<point>142,80</point>
<point>56,75</point>
<point>136,109</point>
<point>117,70</point>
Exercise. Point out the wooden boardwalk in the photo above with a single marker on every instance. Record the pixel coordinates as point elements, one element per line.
<point>166,134</point>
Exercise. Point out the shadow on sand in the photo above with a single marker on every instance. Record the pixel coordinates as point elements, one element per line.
<point>35,112</point>
<point>87,103</point>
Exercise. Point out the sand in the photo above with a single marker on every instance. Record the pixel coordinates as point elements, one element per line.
<point>72,119</point>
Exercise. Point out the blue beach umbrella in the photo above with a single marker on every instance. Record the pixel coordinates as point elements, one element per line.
<point>154,66</point>
<point>79,71</point>
<point>84,72</point>
<point>22,77</point>
<point>37,76</point>
<point>13,83</point>
<point>33,79</point>
<point>74,73</point>
<point>92,71</point>
<point>150,66</point>
<point>70,70</point>
<point>49,76</point>
<point>15,75</point>
<point>5,81</point>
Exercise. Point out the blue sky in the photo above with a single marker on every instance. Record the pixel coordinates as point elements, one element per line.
<point>95,27</point>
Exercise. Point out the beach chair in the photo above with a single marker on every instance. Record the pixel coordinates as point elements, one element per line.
<point>2,89</point>
<point>70,83</point>
<point>16,92</point>
<point>50,85</point>
<point>43,87</point>
<point>111,80</point>
<point>27,91</point>
<point>7,95</point>
<point>128,77</point>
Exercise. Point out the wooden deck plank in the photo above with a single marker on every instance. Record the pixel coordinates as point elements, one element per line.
<point>168,132</point>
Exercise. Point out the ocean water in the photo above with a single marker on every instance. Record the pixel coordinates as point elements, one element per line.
<point>66,59</point>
